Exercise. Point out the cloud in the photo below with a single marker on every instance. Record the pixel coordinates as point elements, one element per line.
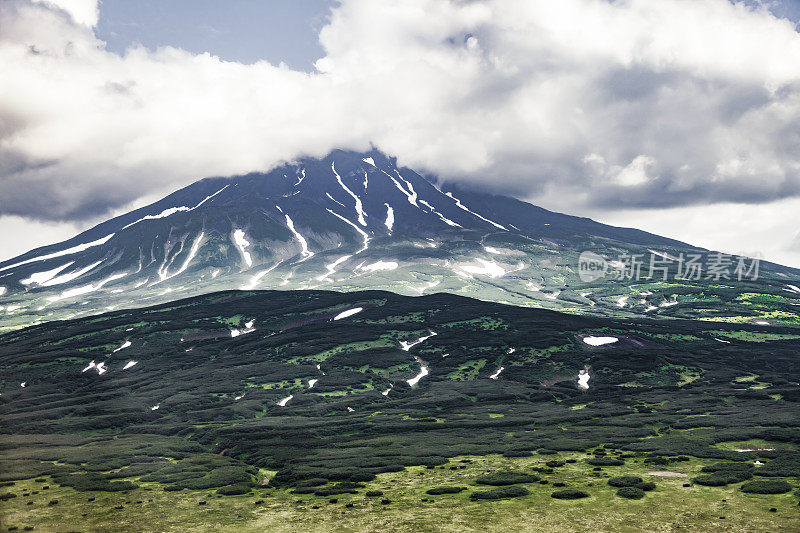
<point>579,104</point>
<point>767,230</point>
<point>84,12</point>
<point>20,235</point>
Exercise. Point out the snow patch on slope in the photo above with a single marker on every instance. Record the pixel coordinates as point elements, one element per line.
<point>303,243</point>
<point>284,401</point>
<point>256,279</point>
<point>465,208</point>
<point>331,268</point>
<point>79,291</point>
<point>359,230</point>
<point>349,312</point>
<point>410,194</point>
<point>792,288</point>
<point>380,265</point>
<point>599,341</point>
<point>488,268</point>
<point>70,276</point>
<point>359,206</point>
<point>241,242</point>
<point>172,210</point>
<point>441,216</point>
<point>423,371</point>
<point>406,346</point>
<point>389,217</point>
<point>335,200</point>
<point>125,344</point>
<point>583,379</point>
<point>163,270</point>
<point>302,177</point>
<point>41,277</point>
<point>425,287</point>
<point>248,328</point>
<point>68,251</point>
<point>497,373</point>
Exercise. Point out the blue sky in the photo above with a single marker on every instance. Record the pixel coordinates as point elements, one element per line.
<point>235,30</point>
<point>783,8</point>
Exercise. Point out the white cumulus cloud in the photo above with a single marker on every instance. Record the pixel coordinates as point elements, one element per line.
<point>579,104</point>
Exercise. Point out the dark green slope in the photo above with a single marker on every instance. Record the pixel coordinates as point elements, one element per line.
<point>670,387</point>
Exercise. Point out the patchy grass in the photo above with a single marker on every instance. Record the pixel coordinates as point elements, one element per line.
<point>755,444</point>
<point>467,371</point>
<point>673,337</point>
<point>753,336</point>
<point>670,507</point>
<point>349,347</point>
<point>417,317</point>
<point>485,323</point>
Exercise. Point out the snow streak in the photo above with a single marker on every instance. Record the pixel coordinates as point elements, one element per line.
<point>389,217</point>
<point>465,208</point>
<point>359,205</point>
<point>361,231</point>
<point>172,210</point>
<point>303,243</point>
<point>68,251</point>
<point>349,312</point>
<point>240,239</point>
<point>411,195</point>
<point>331,268</point>
<point>441,216</point>
<point>163,273</point>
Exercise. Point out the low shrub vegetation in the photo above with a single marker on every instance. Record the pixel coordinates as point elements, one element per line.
<point>500,493</point>
<point>92,482</point>
<point>569,494</point>
<point>507,478</point>
<point>444,490</point>
<point>722,478</point>
<point>784,466</point>
<point>517,453</point>
<point>625,481</point>
<point>632,493</point>
<point>235,489</point>
<point>605,461</point>
<point>766,486</point>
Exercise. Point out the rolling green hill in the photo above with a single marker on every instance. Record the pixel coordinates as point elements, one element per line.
<point>309,396</point>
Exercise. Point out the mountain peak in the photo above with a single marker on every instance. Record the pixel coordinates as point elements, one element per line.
<point>346,221</point>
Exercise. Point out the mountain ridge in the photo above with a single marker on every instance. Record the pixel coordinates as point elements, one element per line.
<point>213,184</point>
<point>347,221</point>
